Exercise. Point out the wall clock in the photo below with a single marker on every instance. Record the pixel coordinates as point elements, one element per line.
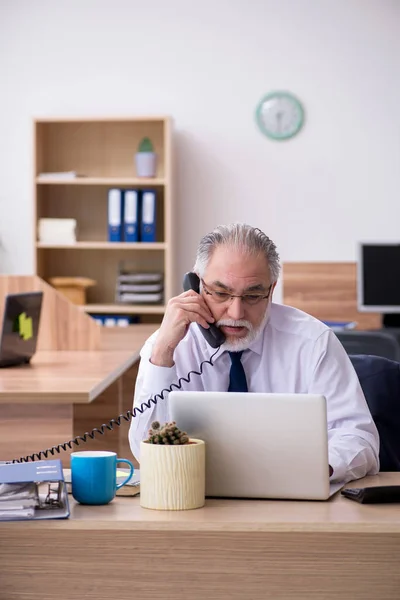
<point>280,115</point>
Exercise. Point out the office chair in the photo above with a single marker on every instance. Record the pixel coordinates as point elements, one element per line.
<point>377,343</point>
<point>380,380</point>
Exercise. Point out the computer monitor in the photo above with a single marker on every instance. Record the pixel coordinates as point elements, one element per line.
<point>378,281</point>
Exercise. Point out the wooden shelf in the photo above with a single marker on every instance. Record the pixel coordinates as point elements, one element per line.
<point>101,119</point>
<point>122,309</point>
<point>103,246</point>
<point>109,181</point>
<point>102,151</point>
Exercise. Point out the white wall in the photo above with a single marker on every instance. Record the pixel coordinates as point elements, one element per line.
<point>207,64</point>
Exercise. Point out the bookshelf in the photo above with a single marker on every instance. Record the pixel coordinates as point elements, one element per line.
<point>101,151</point>
<point>110,181</point>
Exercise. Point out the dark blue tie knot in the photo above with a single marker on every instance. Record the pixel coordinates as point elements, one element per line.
<point>235,356</point>
<point>237,376</point>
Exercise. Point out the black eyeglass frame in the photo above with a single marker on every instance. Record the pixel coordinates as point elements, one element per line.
<point>244,297</point>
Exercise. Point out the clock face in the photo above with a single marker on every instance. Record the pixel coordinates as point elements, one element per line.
<point>280,115</point>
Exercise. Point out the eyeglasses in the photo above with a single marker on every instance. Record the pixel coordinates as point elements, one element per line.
<point>221,297</point>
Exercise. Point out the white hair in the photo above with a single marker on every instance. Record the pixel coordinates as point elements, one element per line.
<point>241,236</point>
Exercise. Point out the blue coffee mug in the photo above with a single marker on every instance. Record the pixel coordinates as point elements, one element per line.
<point>94,476</point>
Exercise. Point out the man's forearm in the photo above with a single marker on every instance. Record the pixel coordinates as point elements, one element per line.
<point>352,459</point>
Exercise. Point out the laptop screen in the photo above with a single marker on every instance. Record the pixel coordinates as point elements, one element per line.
<point>20,326</point>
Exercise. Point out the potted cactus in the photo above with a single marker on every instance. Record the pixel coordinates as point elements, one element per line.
<point>172,469</point>
<point>146,159</point>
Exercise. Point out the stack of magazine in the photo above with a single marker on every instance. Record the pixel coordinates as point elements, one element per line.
<point>34,490</point>
<point>132,488</point>
<point>18,501</point>
<point>140,288</point>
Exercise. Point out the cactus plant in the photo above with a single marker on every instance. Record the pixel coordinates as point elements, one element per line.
<point>145,145</point>
<point>168,434</point>
<point>173,475</point>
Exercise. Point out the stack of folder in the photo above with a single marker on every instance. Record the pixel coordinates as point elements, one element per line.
<point>132,215</point>
<point>140,288</point>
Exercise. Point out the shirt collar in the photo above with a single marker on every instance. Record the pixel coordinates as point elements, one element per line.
<point>257,345</point>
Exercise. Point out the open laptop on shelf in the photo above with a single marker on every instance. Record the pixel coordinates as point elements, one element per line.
<point>21,320</point>
<point>259,445</point>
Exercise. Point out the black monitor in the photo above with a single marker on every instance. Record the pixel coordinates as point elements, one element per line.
<point>378,278</point>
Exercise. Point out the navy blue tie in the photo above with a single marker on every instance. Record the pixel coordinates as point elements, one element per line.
<point>237,376</point>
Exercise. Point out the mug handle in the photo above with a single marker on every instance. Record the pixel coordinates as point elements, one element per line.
<point>130,474</point>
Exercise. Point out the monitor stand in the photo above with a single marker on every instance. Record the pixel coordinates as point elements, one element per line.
<point>391,320</point>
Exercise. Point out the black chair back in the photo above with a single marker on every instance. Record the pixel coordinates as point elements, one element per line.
<point>377,343</point>
<point>380,381</point>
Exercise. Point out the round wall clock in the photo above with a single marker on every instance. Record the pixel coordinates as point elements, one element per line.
<point>280,115</point>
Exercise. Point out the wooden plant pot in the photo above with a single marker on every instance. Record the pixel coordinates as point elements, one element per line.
<point>172,477</point>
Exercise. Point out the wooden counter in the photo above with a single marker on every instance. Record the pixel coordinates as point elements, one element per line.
<point>62,394</point>
<point>58,377</point>
<point>228,550</point>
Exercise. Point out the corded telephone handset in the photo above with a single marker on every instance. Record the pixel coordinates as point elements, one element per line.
<point>214,337</point>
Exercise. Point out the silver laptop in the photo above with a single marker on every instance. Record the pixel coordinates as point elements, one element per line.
<point>259,445</point>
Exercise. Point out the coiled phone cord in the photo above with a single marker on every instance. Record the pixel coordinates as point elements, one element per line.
<point>118,421</point>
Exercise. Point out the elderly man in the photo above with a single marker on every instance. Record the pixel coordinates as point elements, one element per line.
<point>268,347</point>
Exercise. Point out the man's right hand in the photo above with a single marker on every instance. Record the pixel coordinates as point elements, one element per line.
<point>188,307</point>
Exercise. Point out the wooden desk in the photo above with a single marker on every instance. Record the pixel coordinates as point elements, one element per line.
<point>58,377</point>
<point>228,550</point>
<point>52,400</point>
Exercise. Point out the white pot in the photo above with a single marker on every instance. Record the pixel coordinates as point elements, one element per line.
<point>146,164</point>
<point>172,477</point>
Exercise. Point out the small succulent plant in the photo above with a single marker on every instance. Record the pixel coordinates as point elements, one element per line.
<point>168,434</point>
<point>145,145</point>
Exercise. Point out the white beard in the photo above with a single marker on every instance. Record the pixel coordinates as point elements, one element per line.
<point>239,344</point>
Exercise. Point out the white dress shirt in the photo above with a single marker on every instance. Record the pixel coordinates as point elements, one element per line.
<point>295,353</point>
